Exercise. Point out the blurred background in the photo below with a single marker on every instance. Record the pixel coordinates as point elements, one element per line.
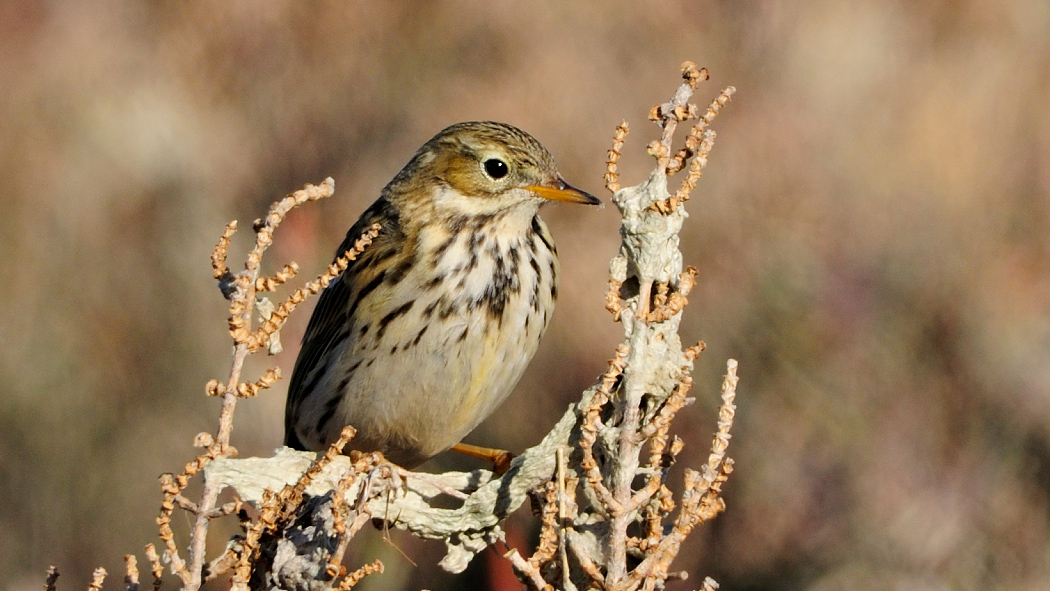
<point>872,235</point>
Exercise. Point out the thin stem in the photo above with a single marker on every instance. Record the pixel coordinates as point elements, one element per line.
<point>626,465</point>
<point>210,495</point>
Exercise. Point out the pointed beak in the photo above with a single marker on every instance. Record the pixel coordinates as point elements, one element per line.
<point>562,191</point>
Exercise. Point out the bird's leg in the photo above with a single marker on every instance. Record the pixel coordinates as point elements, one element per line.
<point>500,458</point>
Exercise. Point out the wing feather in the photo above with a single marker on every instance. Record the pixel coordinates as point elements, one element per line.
<point>330,317</point>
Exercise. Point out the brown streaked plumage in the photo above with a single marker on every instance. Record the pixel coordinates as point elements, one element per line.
<point>426,333</point>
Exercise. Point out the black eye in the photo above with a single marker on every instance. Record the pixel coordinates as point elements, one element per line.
<point>495,168</point>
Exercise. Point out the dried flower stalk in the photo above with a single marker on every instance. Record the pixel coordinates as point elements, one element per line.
<point>97,578</point>
<point>240,288</point>
<point>218,256</point>
<point>131,572</point>
<point>269,378</point>
<point>613,303</point>
<point>612,175</point>
<point>279,278</point>
<point>355,577</point>
<point>51,582</point>
<point>277,319</point>
<point>156,568</point>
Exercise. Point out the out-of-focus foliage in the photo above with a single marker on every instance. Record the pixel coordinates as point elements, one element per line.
<point>872,234</point>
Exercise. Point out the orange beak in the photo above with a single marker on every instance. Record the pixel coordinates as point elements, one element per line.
<point>562,191</point>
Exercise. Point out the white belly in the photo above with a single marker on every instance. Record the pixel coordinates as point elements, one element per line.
<point>416,392</point>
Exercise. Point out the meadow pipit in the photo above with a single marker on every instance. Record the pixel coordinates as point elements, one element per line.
<point>426,333</point>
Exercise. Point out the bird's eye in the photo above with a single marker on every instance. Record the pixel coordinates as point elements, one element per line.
<point>495,168</point>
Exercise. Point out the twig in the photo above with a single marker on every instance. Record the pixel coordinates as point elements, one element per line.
<point>612,175</point>
<point>277,279</point>
<point>362,466</point>
<point>276,320</point>
<point>241,293</point>
<point>131,572</point>
<point>527,573</point>
<point>589,428</point>
<point>355,577</point>
<point>51,582</point>
<point>218,256</point>
<point>675,110</point>
<point>698,146</point>
<point>156,569</point>
<point>613,303</point>
<point>700,501</point>
<point>97,578</point>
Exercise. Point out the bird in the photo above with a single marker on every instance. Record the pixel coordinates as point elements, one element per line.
<point>431,327</point>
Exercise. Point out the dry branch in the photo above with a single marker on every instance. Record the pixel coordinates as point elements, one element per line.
<point>51,582</point>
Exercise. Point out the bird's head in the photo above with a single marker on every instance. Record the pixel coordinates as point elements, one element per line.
<point>483,167</point>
